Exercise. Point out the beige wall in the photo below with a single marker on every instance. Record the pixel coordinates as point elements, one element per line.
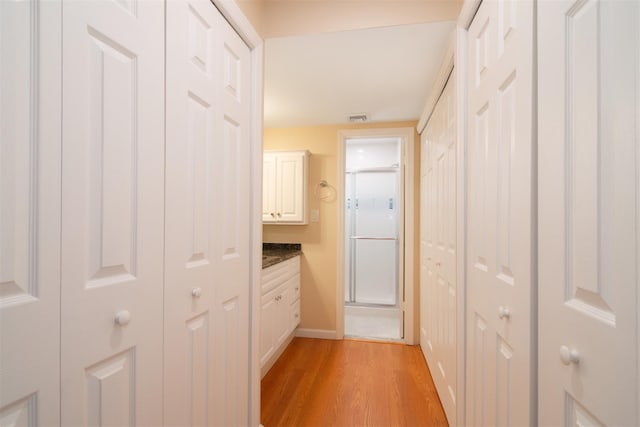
<point>319,240</point>
<point>254,11</point>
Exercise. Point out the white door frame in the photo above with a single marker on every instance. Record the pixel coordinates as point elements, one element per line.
<point>234,15</point>
<point>406,136</point>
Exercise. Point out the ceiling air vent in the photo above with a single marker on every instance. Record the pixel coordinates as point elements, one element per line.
<point>360,117</point>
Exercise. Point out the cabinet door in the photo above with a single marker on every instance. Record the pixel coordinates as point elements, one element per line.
<point>290,187</point>
<point>30,162</point>
<point>269,206</point>
<point>191,205</point>
<point>112,213</point>
<point>283,322</point>
<point>589,193</point>
<point>268,315</point>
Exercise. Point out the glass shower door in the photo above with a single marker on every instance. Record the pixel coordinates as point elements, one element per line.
<point>372,237</point>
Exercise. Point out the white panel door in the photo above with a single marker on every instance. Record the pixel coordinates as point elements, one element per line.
<point>193,78</point>
<point>112,213</point>
<point>289,187</point>
<point>30,162</point>
<point>438,246</point>
<point>589,190</point>
<point>269,193</point>
<point>500,258</point>
<point>231,252</point>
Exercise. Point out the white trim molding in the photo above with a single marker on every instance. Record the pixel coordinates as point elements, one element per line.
<point>446,67</point>
<point>407,136</point>
<point>324,334</point>
<point>459,75</point>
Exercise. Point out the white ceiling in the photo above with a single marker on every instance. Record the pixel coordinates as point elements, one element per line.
<point>323,78</point>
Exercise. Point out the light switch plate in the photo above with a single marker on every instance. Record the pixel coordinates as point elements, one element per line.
<point>315,215</point>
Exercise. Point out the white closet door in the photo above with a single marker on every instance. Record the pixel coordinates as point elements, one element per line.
<point>231,252</point>
<point>30,150</point>
<point>207,209</point>
<point>112,212</point>
<point>438,259</point>
<point>500,245</point>
<point>191,212</point>
<point>589,190</point>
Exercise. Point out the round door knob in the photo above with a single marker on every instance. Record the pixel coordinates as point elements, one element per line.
<point>196,292</point>
<point>504,312</point>
<point>279,215</point>
<point>122,318</point>
<point>273,215</point>
<point>569,356</point>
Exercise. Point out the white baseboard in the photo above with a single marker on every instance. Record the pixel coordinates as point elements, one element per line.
<point>316,333</point>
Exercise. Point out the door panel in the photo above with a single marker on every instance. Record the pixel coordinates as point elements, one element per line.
<point>588,210</point>
<point>376,282</point>
<point>30,168</point>
<point>438,246</point>
<point>207,249</point>
<point>190,230</point>
<point>232,252</point>
<point>289,194</point>
<point>500,261</point>
<point>376,204</point>
<point>112,212</point>
<point>269,207</point>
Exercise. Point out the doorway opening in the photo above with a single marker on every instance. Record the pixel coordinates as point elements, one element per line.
<point>373,223</point>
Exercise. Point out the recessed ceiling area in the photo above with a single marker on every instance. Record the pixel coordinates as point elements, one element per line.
<point>323,78</point>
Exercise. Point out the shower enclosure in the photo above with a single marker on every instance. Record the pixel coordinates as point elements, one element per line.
<point>372,230</point>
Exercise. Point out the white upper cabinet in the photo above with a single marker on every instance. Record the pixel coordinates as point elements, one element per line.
<point>284,191</point>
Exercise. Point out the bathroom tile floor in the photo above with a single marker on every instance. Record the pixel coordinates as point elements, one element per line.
<point>373,322</point>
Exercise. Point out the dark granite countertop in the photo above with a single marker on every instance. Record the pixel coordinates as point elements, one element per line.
<point>274,253</point>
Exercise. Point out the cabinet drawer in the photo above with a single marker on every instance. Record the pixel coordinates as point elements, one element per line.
<point>275,275</point>
<point>280,291</point>
<point>294,265</point>
<point>295,314</point>
<point>295,288</point>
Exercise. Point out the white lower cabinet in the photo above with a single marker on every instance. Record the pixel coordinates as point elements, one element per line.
<point>280,309</point>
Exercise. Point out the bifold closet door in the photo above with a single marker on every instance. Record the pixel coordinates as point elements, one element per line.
<point>589,193</point>
<point>438,256</point>
<point>207,209</point>
<point>30,162</point>
<point>500,242</point>
<point>112,212</point>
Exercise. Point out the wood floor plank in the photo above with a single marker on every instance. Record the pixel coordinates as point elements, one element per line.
<point>350,383</point>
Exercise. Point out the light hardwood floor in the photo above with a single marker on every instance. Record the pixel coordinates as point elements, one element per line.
<point>350,383</point>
